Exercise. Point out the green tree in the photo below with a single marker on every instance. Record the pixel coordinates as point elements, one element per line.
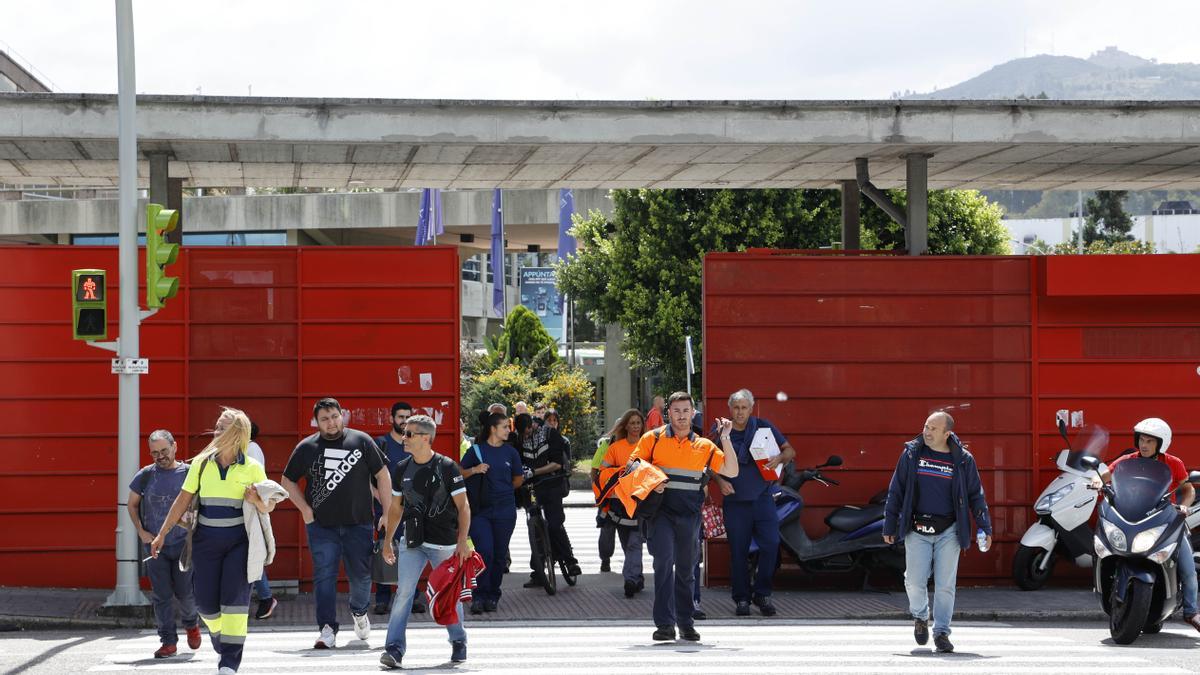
<point>1107,219</point>
<point>643,268</point>
<point>524,336</point>
<point>572,395</point>
<point>507,384</point>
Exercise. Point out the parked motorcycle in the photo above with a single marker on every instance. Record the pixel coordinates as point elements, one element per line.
<point>855,536</point>
<point>1135,541</point>
<point>1063,511</point>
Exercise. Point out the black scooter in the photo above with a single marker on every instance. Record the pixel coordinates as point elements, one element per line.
<point>1136,537</point>
<point>855,537</point>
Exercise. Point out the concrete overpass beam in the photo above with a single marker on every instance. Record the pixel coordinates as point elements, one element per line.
<point>851,227</point>
<point>916,232</point>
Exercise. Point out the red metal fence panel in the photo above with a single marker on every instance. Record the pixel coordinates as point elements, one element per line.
<point>265,330</point>
<point>865,348</point>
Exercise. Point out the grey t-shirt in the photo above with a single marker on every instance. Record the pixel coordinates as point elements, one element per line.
<point>162,486</point>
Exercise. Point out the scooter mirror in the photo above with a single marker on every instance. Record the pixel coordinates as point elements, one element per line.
<point>1194,477</point>
<point>833,460</point>
<point>1062,430</point>
<point>1090,463</point>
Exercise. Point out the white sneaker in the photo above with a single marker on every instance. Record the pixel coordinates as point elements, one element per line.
<point>226,670</point>
<point>362,626</point>
<point>327,639</point>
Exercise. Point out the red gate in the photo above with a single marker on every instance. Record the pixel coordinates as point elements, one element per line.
<point>262,329</point>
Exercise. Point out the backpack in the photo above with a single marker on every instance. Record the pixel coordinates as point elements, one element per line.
<point>477,486</point>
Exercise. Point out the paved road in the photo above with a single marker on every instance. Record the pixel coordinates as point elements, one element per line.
<point>567,648</point>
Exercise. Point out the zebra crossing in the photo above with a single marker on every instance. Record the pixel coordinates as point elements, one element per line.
<point>763,647</point>
<point>582,530</point>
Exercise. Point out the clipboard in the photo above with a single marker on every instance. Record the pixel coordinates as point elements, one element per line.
<point>762,448</point>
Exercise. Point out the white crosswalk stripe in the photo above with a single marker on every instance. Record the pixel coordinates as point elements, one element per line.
<point>604,647</point>
<point>584,535</point>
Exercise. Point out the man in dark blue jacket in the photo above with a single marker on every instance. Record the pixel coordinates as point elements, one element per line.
<point>933,495</point>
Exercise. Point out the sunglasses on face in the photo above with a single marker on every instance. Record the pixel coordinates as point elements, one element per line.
<point>410,434</point>
<point>160,453</point>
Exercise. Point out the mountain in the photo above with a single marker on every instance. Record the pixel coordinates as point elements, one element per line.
<point>1109,74</point>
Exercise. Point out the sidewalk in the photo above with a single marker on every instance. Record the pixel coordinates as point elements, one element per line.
<point>596,597</point>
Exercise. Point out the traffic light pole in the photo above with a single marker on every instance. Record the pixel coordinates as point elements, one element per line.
<point>127,593</point>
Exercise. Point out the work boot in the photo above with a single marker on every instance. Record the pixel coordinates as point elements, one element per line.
<point>193,637</point>
<point>664,634</point>
<point>167,651</point>
<point>698,614</point>
<point>942,642</point>
<point>743,608</point>
<point>921,631</point>
<point>689,633</point>
<point>631,588</point>
<point>765,605</point>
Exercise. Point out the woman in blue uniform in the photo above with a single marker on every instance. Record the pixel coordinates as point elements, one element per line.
<point>492,525</point>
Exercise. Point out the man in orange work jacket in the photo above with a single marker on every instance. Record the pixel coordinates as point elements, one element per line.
<point>688,461</point>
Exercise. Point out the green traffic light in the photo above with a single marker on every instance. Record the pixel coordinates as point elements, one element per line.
<point>159,254</point>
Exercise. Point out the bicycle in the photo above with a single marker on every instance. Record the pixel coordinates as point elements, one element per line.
<point>540,543</point>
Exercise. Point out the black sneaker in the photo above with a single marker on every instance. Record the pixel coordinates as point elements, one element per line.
<point>765,606</point>
<point>265,608</point>
<point>418,606</point>
<point>664,634</point>
<point>534,582</point>
<point>920,631</point>
<point>458,651</point>
<point>942,642</point>
<point>689,633</point>
<point>477,607</point>
<point>390,658</point>
<point>574,570</point>
<point>698,614</point>
<point>631,588</point>
<point>490,605</point>
<point>605,566</point>
<point>743,608</point>
<point>382,608</point>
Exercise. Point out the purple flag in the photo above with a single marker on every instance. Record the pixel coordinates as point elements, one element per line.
<point>423,220</point>
<point>439,226</point>
<point>566,208</point>
<point>499,306</point>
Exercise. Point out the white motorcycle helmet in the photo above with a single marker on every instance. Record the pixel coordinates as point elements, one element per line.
<point>1156,428</point>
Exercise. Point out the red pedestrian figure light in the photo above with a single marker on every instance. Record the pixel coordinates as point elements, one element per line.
<point>89,289</point>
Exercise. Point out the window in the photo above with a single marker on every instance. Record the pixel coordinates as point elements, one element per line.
<point>193,239</point>
<point>471,268</point>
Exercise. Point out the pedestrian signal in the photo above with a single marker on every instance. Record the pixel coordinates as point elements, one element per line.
<point>88,309</point>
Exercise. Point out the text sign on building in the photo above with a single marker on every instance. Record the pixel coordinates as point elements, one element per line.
<point>540,294</point>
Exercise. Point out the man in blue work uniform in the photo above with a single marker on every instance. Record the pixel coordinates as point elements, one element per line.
<point>688,460</point>
<point>749,508</point>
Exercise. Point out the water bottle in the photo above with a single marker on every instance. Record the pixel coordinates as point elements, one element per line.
<point>981,539</point>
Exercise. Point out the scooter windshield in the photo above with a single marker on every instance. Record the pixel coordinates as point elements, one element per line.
<point>1139,485</point>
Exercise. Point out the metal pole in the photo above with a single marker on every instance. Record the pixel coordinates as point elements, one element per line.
<point>127,592</point>
<point>1079,235</point>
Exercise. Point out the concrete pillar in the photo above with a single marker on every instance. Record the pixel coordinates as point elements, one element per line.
<point>917,231</point>
<point>166,191</point>
<point>618,378</point>
<point>851,228</point>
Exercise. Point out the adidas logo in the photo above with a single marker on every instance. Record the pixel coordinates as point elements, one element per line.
<point>338,463</point>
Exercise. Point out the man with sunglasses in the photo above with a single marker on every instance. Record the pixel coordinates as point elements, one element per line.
<point>430,497</point>
<point>392,445</point>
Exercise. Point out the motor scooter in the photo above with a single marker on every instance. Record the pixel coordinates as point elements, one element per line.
<point>1136,537</point>
<point>855,536</point>
<point>1063,511</point>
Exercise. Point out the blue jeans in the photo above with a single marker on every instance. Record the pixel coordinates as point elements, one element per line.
<point>352,544</point>
<point>410,563</point>
<point>491,532</point>
<point>1187,573</point>
<point>169,585</point>
<point>262,587</point>
<point>754,520</point>
<point>936,555</point>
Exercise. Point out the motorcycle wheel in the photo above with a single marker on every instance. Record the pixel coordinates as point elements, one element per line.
<point>1026,567</point>
<point>1129,617</point>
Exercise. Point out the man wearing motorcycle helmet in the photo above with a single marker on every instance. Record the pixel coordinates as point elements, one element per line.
<point>1152,437</point>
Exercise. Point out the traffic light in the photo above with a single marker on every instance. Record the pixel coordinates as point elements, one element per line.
<point>90,314</point>
<point>159,254</point>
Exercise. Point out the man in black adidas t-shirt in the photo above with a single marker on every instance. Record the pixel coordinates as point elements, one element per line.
<point>337,464</point>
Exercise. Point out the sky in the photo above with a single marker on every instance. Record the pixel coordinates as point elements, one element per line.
<point>615,50</point>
